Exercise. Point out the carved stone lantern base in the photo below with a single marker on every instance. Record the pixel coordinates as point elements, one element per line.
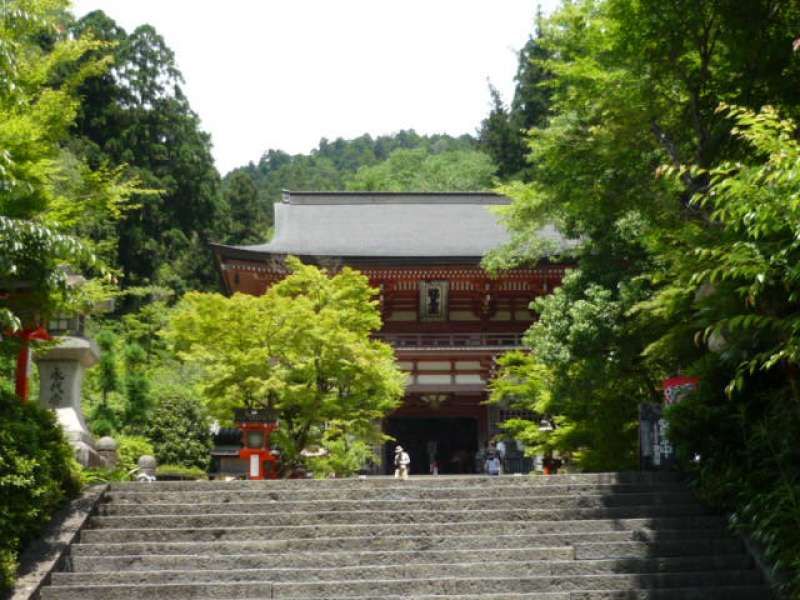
<point>61,372</point>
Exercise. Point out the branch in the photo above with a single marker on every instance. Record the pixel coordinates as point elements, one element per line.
<point>671,150</point>
<point>693,185</point>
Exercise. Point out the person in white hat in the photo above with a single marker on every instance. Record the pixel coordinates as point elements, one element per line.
<point>401,463</point>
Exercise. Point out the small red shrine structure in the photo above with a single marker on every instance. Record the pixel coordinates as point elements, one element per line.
<point>262,463</point>
<point>446,317</point>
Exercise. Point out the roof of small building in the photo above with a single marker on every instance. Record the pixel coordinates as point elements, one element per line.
<point>389,224</point>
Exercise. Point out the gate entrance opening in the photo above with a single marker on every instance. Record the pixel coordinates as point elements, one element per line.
<point>451,441</point>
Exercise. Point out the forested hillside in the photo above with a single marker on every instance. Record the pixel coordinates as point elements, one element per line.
<point>400,162</point>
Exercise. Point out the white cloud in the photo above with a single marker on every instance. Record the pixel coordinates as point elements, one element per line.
<point>285,73</point>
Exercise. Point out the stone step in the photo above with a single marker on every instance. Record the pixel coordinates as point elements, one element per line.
<point>637,478</point>
<point>378,517</point>
<point>497,503</point>
<point>262,591</point>
<point>233,591</point>
<point>744,592</point>
<point>410,543</point>
<point>257,532</point>
<point>495,585</point>
<point>403,571</point>
<point>313,566</point>
<point>692,547</point>
<point>628,536</point>
<point>316,559</point>
<point>633,553</point>
<point>704,593</point>
<point>147,494</point>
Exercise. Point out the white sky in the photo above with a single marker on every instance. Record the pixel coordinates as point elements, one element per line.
<point>284,73</point>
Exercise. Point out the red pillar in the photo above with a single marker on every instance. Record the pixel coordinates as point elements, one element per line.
<point>24,356</point>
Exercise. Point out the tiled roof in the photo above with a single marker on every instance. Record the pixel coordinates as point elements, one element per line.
<point>375,224</point>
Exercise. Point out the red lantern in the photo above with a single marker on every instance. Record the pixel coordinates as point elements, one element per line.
<point>676,388</point>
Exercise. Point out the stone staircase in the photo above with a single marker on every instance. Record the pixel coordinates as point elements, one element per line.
<point>610,536</point>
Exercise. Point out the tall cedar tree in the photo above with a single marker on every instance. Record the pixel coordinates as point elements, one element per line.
<point>136,114</point>
<point>503,133</point>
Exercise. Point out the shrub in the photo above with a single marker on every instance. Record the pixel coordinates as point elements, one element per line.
<point>180,472</point>
<point>130,448</point>
<point>99,475</point>
<point>344,455</point>
<point>103,420</point>
<point>38,473</point>
<point>744,456</point>
<point>342,459</point>
<point>180,432</point>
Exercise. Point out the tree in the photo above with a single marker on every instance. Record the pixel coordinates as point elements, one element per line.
<point>104,419</point>
<point>635,91</point>
<point>581,342</point>
<point>635,86</point>
<point>531,104</point>
<point>137,389</point>
<point>730,290</point>
<point>503,132</point>
<point>303,349</point>
<point>501,139</point>
<point>38,472</point>
<point>343,453</point>
<point>47,193</point>
<point>137,115</point>
<point>107,369</point>
<point>248,224</point>
<point>419,171</point>
<point>523,383</point>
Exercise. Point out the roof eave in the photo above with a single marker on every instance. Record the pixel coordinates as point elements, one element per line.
<point>222,251</point>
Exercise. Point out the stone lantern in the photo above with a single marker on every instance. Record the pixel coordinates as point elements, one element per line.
<point>61,372</point>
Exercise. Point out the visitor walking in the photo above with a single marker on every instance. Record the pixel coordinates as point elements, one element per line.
<point>402,461</point>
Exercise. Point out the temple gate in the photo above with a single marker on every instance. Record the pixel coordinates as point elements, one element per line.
<point>445,316</point>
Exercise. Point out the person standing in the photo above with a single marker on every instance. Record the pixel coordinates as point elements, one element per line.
<point>493,465</point>
<point>402,461</point>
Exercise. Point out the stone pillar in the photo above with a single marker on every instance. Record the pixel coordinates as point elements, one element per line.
<point>61,371</point>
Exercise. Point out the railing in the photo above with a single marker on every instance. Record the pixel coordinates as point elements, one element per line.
<point>451,340</point>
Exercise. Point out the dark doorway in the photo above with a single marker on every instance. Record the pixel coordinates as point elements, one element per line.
<point>452,442</point>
